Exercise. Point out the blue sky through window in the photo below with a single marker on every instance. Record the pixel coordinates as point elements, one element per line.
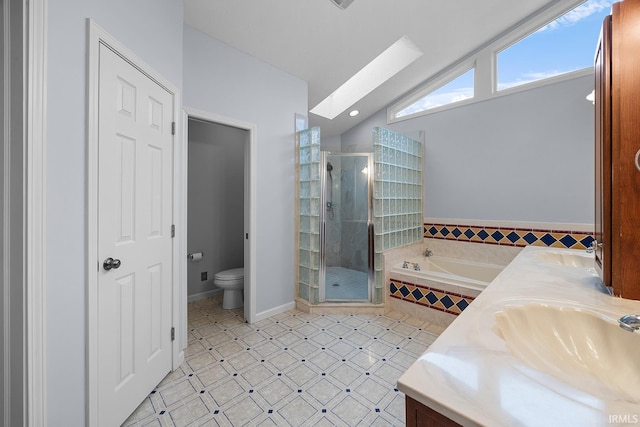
<point>458,89</point>
<point>566,44</point>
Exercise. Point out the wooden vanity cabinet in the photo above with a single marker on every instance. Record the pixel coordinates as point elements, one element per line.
<point>617,150</point>
<point>419,415</point>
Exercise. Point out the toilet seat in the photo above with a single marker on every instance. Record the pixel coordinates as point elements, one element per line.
<point>231,275</point>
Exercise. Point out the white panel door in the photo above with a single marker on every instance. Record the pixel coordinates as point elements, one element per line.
<point>134,236</point>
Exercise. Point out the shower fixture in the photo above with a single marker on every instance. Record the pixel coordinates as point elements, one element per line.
<point>329,203</point>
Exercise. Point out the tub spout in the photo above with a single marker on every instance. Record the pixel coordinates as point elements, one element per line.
<point>427,253</point>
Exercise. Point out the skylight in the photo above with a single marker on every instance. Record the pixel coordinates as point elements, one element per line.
<point>390,62</point>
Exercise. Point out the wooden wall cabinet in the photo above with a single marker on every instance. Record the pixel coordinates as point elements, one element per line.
<point>617,150</point>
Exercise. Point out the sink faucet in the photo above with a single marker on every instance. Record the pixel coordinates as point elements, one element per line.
<point>630,322</point>
<point>427,253</point>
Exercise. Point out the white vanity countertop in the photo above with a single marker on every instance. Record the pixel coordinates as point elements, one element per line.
<point>469,375</point>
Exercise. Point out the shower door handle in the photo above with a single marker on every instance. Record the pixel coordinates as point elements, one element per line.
<point>323,264</point>
<point>371,239</point>
<point>323,227</point>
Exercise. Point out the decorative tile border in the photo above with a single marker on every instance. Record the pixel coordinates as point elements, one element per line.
<point>437,299</point>
<point>509,236</point>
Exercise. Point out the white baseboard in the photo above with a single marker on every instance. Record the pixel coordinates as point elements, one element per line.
<point>276,310</point>
<point>203,295</point>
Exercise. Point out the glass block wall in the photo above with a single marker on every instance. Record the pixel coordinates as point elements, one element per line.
<point>308,142</point>
<point>397,196</point>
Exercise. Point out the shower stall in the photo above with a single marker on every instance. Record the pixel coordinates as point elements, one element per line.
<point>350,209</point>
<point>346,227</point>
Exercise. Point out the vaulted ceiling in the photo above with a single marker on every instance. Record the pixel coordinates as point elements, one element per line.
<point>325,45</point>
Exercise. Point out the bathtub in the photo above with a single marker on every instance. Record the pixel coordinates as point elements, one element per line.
<point>441,289</point>
<point>451,271</point>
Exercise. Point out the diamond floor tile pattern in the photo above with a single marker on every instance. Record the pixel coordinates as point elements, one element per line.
<point>293,369</point>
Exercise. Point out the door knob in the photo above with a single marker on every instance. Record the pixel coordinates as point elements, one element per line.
<point>111,264</point>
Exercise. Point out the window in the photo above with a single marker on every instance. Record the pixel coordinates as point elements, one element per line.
<point>552,43</point>
<point>456,90</point>
<point>561,46</point>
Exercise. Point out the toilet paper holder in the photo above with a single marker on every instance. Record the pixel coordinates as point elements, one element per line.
<point>195,257</point>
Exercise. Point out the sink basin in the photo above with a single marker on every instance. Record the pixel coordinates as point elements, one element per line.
<point>566,259</point>
<point>580,347</point>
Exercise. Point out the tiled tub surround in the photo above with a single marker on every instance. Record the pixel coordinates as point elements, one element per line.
<point>439,296</point>
<point>438,300</point>
<point>446,303</point>
<point>509,236</point>
<point>495,244</point>
<point>470,375</point>
<point>293,369</point>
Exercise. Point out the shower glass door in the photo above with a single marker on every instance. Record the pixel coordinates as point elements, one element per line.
<point>346,270</point>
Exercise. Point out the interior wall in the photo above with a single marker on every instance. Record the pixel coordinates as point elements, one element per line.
<point>527,156</point>
<point>12,298</point>
<point>4,305</point>
<point>332,144</point>
<point>152,29</point>
<point>215,201</point>
<point>222,80</point>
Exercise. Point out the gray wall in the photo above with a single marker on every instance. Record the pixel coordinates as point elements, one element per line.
<point>527,156</point>
<point>153,30</point>
<point>12,266</point>
<point>222,80</point>
<point>332,144</point>
<point>216,201</point>
<point>4,303</point>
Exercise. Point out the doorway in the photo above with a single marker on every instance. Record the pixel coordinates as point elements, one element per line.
<point>220,221</point>
<point>215,204</point>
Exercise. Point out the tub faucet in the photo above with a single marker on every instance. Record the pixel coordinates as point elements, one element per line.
<point>594,245</point>
<point>416,266</point>
<point>427,253</point>
<point>405,264</point>
<point>630,322</point>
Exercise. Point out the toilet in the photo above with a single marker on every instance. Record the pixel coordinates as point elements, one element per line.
<point>232,283</point>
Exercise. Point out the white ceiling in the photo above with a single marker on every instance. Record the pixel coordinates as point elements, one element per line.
<point>324,45</point>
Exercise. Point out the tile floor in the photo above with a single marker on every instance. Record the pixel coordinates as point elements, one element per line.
<point>344,283</point>
<point>293,369</point>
